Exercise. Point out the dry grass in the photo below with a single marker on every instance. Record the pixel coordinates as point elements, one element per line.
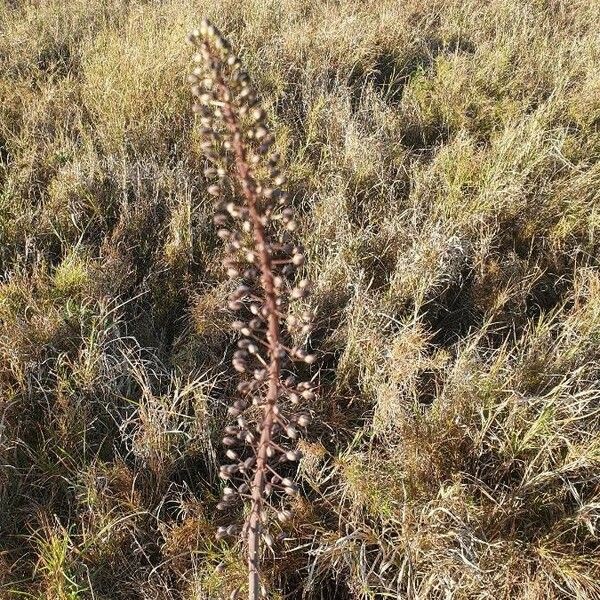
<point>444,158</point>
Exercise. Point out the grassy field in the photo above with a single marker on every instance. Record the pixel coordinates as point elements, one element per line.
<point>443,156</point>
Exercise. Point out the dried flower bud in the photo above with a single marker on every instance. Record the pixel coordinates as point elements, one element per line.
<point>308,395</point>
<point>239,365</point>
<point>291,432</point>
<point>303,420</point>
<point>284,515</point>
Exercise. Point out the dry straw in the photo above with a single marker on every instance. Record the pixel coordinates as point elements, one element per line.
<point>256,223</point>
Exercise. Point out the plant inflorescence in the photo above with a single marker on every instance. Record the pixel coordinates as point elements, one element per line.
<point>256,222</point>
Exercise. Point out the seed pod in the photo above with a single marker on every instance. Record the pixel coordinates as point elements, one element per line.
<point>260,132</point>
<point>232,209</point>
<point>240,404</point>
<point>239,365</point>
<point>291,432</point>
<point>258,115</point>
<point>303,420</point>
<point>292,456</point>
<point>298,293</point>
<point>284,515</point>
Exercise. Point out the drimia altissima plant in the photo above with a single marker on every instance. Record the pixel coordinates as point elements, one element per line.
<point>257,225</point>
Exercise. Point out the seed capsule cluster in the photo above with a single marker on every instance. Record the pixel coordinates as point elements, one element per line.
<point>256,222</point>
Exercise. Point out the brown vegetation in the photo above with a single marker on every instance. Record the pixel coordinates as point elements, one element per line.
<point>442,158</point>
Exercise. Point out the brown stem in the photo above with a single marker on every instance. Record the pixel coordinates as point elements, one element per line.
<point>273,339</point>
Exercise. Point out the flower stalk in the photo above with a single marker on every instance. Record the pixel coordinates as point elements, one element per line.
<point>256,223</point>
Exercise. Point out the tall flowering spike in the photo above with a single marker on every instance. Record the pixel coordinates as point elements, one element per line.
<point>256,223</point>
